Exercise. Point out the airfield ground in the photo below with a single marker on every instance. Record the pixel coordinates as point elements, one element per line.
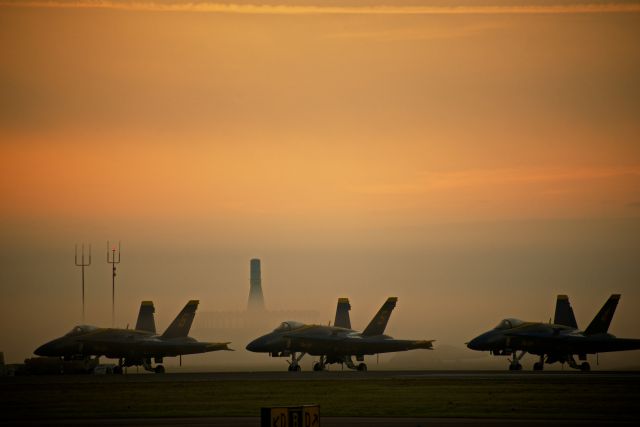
<point>454,397</point>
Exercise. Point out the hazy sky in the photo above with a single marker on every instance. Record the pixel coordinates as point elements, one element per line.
<point>473,158</point>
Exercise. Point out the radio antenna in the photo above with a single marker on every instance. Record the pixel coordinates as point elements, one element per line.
<point>113,258</point>
<point>82,264</point>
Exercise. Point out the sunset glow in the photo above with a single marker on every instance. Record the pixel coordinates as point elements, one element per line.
<point>490,149</point>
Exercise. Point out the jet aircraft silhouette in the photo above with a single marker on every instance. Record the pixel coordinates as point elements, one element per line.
<point>554,342</point>
<point>334,344</point>
<point>132,347</point>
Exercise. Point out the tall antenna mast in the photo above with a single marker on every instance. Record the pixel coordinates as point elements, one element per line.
<point>113,258</point>
<point>82,264</point>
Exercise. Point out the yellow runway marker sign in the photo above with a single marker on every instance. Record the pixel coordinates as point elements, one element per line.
<point>290,416</point>
<point>311,416</point>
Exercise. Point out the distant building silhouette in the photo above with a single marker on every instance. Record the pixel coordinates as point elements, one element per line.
<point>245,324</point>
<point>256,299</point>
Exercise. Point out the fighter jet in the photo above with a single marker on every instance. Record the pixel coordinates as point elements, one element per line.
<point>554,342</point>
<point>132,347</point>
<point>334,344</point>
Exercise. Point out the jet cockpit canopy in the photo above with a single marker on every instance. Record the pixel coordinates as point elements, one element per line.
<point>80,329</point>
<point>289,325</point>
<point>509,323</point>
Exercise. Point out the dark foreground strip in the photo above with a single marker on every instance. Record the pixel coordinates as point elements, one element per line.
<point>326,422</point>
<point>385,397</point>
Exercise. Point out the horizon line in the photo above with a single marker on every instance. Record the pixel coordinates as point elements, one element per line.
<point>267,9</point>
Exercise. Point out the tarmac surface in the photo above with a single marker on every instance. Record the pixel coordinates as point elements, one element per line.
<point>146,381</point>
<point>325,375</point>
<point>325,422</point>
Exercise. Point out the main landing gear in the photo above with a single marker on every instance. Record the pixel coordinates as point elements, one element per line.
<point>146,364</point>
<point>321,365</point>
<point>514,364</point>
<point>294,366</point>
<point>539,366</point>
<point>584,366</point>
<point>362,367</point>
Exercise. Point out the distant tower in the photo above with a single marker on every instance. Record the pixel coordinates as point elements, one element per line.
<point>256,300</point>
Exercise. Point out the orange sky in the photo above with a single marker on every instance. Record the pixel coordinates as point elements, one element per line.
<point>322,130</point>
<point>58,179</point>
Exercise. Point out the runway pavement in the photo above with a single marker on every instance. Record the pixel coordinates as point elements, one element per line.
<point>374,398</point>
<point>325,422</point>
<point>322,376</point>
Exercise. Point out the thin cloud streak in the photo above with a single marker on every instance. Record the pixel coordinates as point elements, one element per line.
<point>414,34</point>
<point>492,177</point>
<point>326,10</point>
<point>426,181</point>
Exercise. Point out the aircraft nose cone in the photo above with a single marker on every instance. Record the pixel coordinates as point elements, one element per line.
<point>473,344</point>
<point>44,350</point>
<point>487,341</point>
<point>261,345</point>
<point>254,345</point>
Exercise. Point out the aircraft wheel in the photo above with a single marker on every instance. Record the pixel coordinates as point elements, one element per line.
<point>538,366</point>
<point>294,368</point>
<point>159,369</point>
<point>317,367</point>
<point>117,370</point>
<point>585,367</point>
<point>515,367</point>
<point>362,367</point>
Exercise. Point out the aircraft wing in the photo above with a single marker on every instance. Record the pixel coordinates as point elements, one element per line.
<point>571,343</point>
<point>216,346</point>
<point>349,345</point>
<point>177,348</point>
<point>148,347</point>
<point>539,336</point>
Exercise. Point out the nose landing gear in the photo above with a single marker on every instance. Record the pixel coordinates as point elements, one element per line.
<point>294,366</point>
<point>514,364</point>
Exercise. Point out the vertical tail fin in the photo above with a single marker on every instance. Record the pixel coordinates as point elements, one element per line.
<point>145,317</point>
<point>379,321</point>
<point>182,323</point>
<point>342,314</point>
<point>600,323</point>
<point>564,313</point>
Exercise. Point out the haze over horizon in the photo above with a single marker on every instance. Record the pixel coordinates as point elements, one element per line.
<point>474,159</point>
